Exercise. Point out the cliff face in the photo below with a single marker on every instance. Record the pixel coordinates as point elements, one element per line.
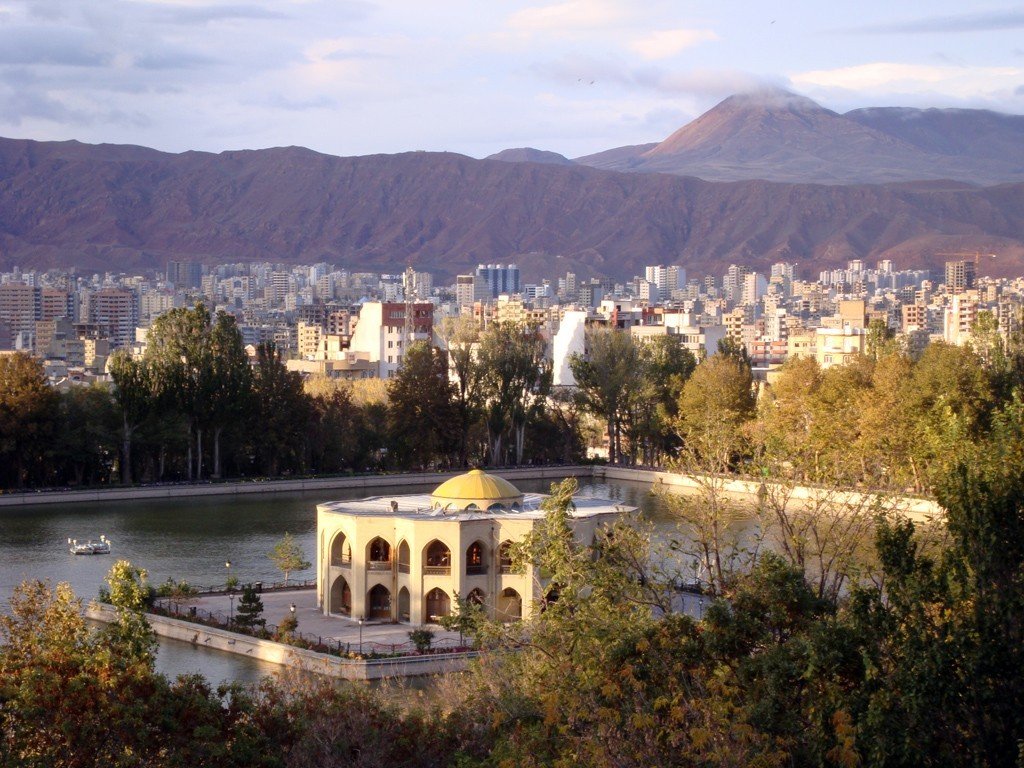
<point>117,208</point>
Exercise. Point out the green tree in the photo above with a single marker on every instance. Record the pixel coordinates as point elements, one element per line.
<point>229,391</point>
<point>283,413</point>
<point>85,445</point>
<point>607,380</point>
<point>421,415</point>
<point>515,381</point>
<point>288,556</point>
<point>135,392</point>
<point>129,594</point>
<point>179,350</point>
<point>250,609</point>
<point>462,338</point>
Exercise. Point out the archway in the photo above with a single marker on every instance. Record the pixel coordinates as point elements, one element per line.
<point>379,603</point>
<point>505,557</point>
<point>510,606</point>
<point>438,604</point>
<point>476,564</point>
<point>437,559</point>
<point>341,550</point>
<point>403,557</point>
<point>403,605</point>
<point>341,598</point>
<point>378,555</point>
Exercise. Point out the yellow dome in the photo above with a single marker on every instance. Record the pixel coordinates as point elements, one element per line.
<point>476,488</point>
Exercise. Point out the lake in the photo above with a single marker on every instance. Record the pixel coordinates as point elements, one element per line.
<point>192,538</point>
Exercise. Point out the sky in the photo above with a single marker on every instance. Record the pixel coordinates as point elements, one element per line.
<point>357,77</point>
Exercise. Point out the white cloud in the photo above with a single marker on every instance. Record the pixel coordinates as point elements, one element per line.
<point>568,17</point>
<point>665,43</point>
<point>892,77</point>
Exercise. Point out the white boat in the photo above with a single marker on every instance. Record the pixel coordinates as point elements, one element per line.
<point>101,547</point>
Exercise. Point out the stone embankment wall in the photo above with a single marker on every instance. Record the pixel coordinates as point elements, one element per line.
<point>242,487</point>
<point>297,658</point>
<point>916,508</point>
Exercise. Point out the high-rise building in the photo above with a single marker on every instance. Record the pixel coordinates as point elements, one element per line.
<point>960,276</point>
<point>20,308</point>
<point>470,289</point>
<point>116,310</point>
<point>55,303</point>
<point>500,279</point>
<point>184,274</point>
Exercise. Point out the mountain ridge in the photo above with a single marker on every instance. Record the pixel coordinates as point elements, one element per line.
<point>779,136</point>
<point>116,208</point>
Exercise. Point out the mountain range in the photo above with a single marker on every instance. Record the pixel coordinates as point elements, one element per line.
<point>773,187</point>
<point>779,136</point>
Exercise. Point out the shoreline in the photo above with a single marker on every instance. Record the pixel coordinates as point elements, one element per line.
<point>916,508</point>
<point>245,487</point>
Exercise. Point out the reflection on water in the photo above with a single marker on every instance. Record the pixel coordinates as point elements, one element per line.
<point>192,538</point>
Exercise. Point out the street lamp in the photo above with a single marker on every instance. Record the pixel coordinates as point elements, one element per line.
<point>360,637</point>
<point>231,615</point>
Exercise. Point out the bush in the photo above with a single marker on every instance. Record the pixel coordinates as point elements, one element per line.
<point>422,639</point>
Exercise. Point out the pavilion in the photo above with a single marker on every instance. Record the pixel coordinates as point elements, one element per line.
<point>407,558</point>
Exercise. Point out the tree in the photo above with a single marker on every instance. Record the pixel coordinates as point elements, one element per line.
<point>421,416</point>
<point>288,556</point>
<point>462,338</point>
<point>283,412</point>
<point>230,388</point>
<point>135,392</point>
<point>515,380</point>
<point>27,409</point>
<point>178,348</point>
<point>715,408</point>
<point>607,380</point>
<point>250,609</point>
<point>129,594</point>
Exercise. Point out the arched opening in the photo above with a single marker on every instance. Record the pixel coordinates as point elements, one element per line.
<point>476,565</point>
<point>379,603</point>
<point>378,555</point>
<point>496,507</point>
<point>341,550</point>
<point>510,606</point>
<point>438,604</point>
<point>403,557</point>
<point>505,557</point>
<point>476,597</point>
<point>341,598</point>
<point>403,605</point>
<point>437,560</point>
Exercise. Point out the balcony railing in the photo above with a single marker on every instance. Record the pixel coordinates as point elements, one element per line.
<point>403,568</point>
<point>378,565</point>
<point>476,570</point>
<point>506,568</point>
<point>437,570</point>
<point>345,561</point>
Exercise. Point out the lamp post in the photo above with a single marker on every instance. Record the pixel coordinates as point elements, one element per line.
<point>360,637</point>
<point>231,615</point>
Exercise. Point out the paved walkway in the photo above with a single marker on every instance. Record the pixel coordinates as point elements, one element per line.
<point>277,605</point>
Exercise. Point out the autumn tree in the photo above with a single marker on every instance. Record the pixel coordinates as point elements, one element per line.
<point>27,409</point>
<point>288,556</point>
